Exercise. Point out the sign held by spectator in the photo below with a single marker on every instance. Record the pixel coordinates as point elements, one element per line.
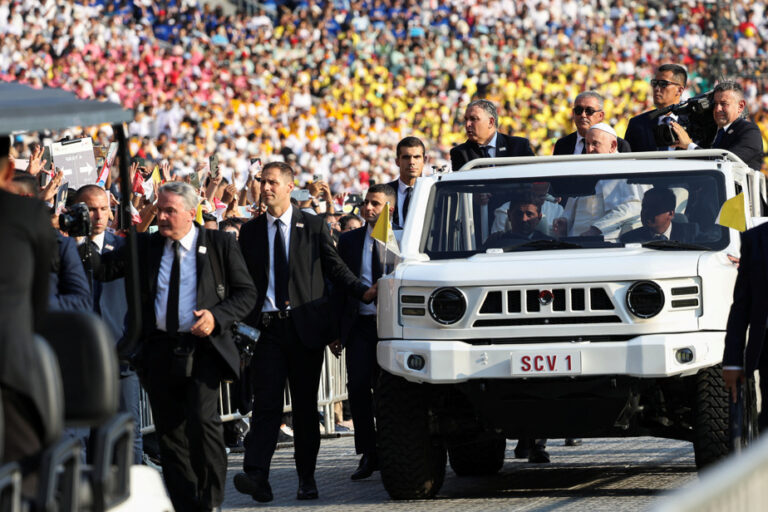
<point>76,160</point>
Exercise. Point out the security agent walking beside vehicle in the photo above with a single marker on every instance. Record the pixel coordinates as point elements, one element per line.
<point>194,286</point>
<point>735,132</point>
<point>290,255</point>
<point>746,329</point>
<point>668,85</point>
<point>411,157</point>
<point>481,122</point>
<point>357,326</point>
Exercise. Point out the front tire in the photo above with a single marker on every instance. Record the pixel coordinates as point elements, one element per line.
<point>411,458</point>
<point>711,440</point>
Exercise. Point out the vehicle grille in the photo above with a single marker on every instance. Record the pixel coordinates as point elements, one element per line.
<point>568,305</point>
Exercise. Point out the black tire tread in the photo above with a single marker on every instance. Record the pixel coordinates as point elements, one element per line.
<point>411,460</point>
<point>711,431</point>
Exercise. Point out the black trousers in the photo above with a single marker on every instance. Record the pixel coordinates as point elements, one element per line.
<point>189,431</point>
<point>362,372</point>
<point>22,437</point>
<point>762,417</point>
<point>278,356</point>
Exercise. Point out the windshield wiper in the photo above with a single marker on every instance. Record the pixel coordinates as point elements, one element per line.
<point>543,244</point>
<point>674,245</point>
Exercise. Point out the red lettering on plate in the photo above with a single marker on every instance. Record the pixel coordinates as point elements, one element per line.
<point>551,360</point>
<point>526,363</point>
<point>568,358</point>
<point>537,363</point>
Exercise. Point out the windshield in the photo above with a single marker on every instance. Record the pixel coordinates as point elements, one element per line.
<point>673,211</point>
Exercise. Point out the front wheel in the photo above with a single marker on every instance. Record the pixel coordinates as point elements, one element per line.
<point>411,458</point>
<point>711,434</point>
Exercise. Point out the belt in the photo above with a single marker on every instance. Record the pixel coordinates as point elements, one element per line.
<point>270,317</point>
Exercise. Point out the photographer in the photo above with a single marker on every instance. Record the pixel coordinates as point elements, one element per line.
<point>735,133</point>
<point>668,85</point>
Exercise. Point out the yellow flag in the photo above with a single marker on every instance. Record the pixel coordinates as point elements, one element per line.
<point>732,213</point>
<point>382,231</point>
<point>199,215</point>
<point>156,178</point>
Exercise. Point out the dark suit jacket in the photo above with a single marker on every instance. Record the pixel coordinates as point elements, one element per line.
<point>566,145</point>
<point>240,294</point>
<point>25,265</point>
<point>506,145</point>
<point>506,238</point>
<point>750,303</point>
<point>681,232</point>
<point>109,299</point>
<point>640,132</point>
<point>312,258</point>
<point>350,249</point>
<point>69,285</point>
<point>395,185</point>
<point>744,140</point>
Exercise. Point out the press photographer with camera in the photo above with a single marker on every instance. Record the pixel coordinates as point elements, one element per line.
<point>668,85</point>
<point>194,286</point>
<point>735,132</point>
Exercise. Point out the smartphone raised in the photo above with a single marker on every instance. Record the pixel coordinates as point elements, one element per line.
<point>60,200</point>
<point>301,194</point>
<point>213,164</point>
<point>47,158</point>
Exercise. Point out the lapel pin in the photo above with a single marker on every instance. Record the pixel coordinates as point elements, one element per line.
<point>202,249</point>
<point>502,149</point>
<point>299,224</point>
<point>108,247</point>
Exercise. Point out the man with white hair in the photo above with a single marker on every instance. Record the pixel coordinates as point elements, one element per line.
<point>615,206</point>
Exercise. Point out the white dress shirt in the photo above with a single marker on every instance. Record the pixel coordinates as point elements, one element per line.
<point>491,145</point>
<point>401,188</point>
<point>187,282</point>
<point>99,241</point>
<point>366,270</point>
<point>285,230</point>
<point>580,144</point>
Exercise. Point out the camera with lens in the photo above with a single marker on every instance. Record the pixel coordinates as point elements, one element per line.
<point>75,220</point>
<point>695,115</point>
<point>246,338</point>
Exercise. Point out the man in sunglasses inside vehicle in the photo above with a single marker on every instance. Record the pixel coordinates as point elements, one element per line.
<point>587,111</point>
<point>668,85</point>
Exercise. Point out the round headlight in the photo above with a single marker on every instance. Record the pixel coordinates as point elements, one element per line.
<point>645,299</point>
<point>447,305</point>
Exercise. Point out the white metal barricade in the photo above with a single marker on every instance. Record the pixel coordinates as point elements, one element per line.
<point>333,389</point>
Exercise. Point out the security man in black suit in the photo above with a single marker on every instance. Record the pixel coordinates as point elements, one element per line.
<point>411,157</point>
<point>194,286</point>
<point>25,262</point>
<point>481,122</point>
<point>587,111</point>
<point>656,214</point>
<point>744,353</point>
<point>357,326</point>
<point>735,133</point>
<point>289,254</point>
<point>668,85</point>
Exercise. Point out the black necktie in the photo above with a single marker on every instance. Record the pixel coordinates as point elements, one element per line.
<point>660,237</point>
<point>406,202</point>
<point>96,285</point>
<point>484,152</point>
<point>375,263</point>
<point>583,146</point>
<point>718,138</point>
<point>172,307</point>
<point>281,268</point>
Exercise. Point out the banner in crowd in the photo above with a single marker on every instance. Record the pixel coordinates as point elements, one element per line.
<point>76,160</point>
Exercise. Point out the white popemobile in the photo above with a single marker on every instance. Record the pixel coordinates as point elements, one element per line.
<point>492,332</point>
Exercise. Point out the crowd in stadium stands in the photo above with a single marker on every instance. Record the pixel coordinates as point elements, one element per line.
<point>335,84</point>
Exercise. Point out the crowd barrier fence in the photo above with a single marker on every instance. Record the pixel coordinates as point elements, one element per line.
<point>333,389</point>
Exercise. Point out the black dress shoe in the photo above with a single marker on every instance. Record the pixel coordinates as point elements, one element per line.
<point>368,464</point>
<point>522,449</point>
<point>307,489</point>
<point>572,441</point>
<point>254,483</point>
<point>538,455</point>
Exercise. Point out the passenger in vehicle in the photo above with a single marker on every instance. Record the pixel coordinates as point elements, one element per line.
<point>524,216</point>
<point>657,213</point>
<point>550,209</point>
<point>613,208</point>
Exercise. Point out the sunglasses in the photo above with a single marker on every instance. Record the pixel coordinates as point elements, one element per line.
<point>589,110</point>
<point>663,83</point>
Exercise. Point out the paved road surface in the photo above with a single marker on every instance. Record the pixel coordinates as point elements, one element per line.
<point>601,475</point>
